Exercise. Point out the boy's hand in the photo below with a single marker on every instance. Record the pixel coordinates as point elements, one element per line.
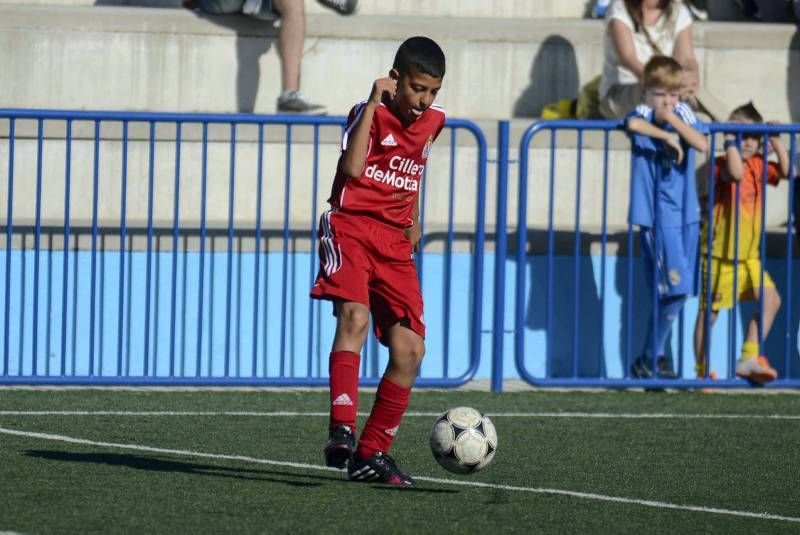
<point>674,149</point>
<point>663,113</point>
<point>774,139</point>
<point>689,85</point>
<point>381,86</point>
<point>414,234</point>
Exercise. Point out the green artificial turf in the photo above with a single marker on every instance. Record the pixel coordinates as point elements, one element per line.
<point>747,465</point>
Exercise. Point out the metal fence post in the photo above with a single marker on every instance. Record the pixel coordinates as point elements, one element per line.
<point>500,256</point>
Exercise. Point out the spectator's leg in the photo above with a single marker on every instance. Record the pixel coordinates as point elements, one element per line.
<point>772,303</point>
<point>796,207</point>
<point>700,339</point>
<point>668,310</point>
<point>290,41</point>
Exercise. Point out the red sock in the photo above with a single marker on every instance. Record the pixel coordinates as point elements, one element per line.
<point>391,402</point>
<point>344,388</point>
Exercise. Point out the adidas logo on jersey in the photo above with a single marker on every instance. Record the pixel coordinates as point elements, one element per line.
<point>389,141</point>
<point>392,431</point>
<point>343,399</point>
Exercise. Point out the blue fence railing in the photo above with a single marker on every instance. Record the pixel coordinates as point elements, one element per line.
<point>185,246</point>
<point>158,248</point>
<point>577,344</point>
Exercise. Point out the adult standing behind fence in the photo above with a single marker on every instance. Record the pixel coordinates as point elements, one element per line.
<point>637,30</point>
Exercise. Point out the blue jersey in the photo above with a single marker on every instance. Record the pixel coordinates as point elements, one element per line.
<point>652,165</point>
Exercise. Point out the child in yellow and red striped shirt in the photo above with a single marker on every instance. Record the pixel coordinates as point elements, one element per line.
<point>743,168</point>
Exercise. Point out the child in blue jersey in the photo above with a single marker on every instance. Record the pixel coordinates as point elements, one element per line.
<point>664,134</point>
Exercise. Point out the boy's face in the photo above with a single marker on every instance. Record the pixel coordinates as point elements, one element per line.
<point>662,100</point>
<point>416,91</point>
<point>751,143</point>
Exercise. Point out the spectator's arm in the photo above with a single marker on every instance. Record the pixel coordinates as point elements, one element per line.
<point>684,54</point>
<point>733,170</point>
<point>622,40</point>
<point>782,155</point>
<point>691,136</point>
<point>637,125</point>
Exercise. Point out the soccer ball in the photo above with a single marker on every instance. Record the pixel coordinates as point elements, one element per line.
<point>463,440</point>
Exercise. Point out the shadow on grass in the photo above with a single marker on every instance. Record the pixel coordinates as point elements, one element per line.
<point>415,489</point>
<point>166,465</point>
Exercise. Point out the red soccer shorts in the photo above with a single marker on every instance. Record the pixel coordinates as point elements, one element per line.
<point>368,262</point>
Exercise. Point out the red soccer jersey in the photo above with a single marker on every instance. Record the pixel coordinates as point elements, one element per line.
<point>396,156</point>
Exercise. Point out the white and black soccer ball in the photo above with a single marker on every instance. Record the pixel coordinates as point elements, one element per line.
<point>463,440</point>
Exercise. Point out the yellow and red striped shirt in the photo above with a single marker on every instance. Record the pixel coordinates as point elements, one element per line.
<point>750,209</point>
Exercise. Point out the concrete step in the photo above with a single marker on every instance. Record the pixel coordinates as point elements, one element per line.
<point>125,58</point>
<point>718,10</point>
<point>528,9</point>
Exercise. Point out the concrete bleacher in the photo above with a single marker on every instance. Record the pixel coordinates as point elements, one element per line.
<point>505,60</point>
<point>67,54</point>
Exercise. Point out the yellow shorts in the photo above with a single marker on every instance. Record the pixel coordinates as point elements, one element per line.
<point>748,281</point>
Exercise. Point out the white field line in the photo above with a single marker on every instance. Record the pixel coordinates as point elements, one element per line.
<point>270,414</point>
<point>462,483</point>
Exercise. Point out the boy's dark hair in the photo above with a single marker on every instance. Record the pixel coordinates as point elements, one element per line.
<point>747,111</point>
<point>422,53</point>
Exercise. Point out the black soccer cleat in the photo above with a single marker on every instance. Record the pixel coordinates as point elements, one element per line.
<point>640,369</point>
<point>380,468</point>
<point>340,446</point>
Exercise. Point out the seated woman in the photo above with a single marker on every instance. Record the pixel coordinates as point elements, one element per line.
<point>637,30</point>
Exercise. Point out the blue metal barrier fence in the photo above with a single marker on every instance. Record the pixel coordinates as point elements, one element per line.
<point>164,248</point>
<point>575,343</point>
<point>153,248</point>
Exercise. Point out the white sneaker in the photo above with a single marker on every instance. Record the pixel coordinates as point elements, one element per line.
<point>697,12</point>
<point>756,370</point>
<point>297,102</point>
<point>251,7</point>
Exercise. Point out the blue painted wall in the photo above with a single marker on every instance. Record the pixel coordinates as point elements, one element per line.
<point>258,332</point>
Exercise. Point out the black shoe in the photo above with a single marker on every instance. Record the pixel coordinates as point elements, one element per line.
<point>640,369</point>
<point>664,369</point>
<point>380,468</point>
<point>750,10</point>
<point>340,446</point>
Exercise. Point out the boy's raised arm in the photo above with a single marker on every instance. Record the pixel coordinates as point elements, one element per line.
<point>781,153</point>
<point>694,138</point>
<point>355,155</point>
<point>734,166</point>
<point>646,128</point>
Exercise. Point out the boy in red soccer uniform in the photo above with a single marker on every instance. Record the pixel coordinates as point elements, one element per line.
<point>366,243</point>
